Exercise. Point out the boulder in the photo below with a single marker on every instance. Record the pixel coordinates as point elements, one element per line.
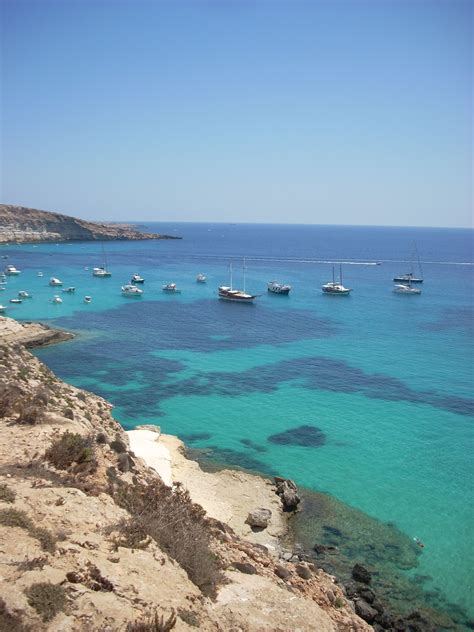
<point>361,574</point>
<point>366,594</point>
<point>259,518</point>
<point>282,572</point>
<point>245,567</point>
<point>365,611</point>
<point>303,571</point>
<point>288,493</point>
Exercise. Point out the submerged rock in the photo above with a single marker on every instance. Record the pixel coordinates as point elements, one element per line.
<point>361,574</point>
<point>365,611</point>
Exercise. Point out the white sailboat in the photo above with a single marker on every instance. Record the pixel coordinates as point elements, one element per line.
<point>336,289</point>
<point>409,277</point>
<point>102,271</point>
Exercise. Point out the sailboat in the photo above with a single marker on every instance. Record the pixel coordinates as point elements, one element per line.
<point>229,294</point>
<point>410,277</point>
<point>334,288</point>
<point>102,271</point>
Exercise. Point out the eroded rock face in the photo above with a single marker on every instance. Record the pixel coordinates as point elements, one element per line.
<point>259,518</point>
<point>361,574</point>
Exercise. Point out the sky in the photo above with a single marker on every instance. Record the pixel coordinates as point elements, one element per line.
<point>321,112</point>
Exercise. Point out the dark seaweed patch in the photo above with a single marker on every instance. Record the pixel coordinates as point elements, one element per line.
<point>195,436</point>
<point>248,443</point>
<point>226,457</point>
<point>308,436</point>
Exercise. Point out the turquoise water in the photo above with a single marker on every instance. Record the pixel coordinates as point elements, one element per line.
<point>386,378</point>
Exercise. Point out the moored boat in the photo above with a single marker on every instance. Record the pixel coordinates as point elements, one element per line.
<point>12,271</point>
<point>57,299</point>
<point>410,277</point>
<point>87,299</point>
<point>69,290</point>
<point>131,290</point>
<point>136,278</point>
<point>3,309</point>
<point>405,288</point>
<point>24,294</point>
<point>239,296</point>
<point>336,289</point>
<point>171,288</point>
<point>101,272</point>
<point>201,278</point>
<point>278,288</point>
<point>17,301</point>
<point>54,282</point>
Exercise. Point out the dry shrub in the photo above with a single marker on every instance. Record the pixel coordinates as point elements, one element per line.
<point>28,406</point>
<point>32,564</point>
<point>7,495</point>
<point>72,449</point>
<point>179,526</point>
<point>11,621</point>
<point>18,518</point>
<point>153,623</point>
<point>47,599</point>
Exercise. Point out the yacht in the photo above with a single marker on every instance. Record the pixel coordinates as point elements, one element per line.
<point>23,294</point>
<point>171,288</point>
<point>201,278</point>
<point>136,278</point>
<point>410,277</point>
<point>12,271</point>
<point>278,288</point>
<point>239,296</point>
<point>54,282</point>
<point>336,289</point>
<point>57,299</point>
<point>101,272</point>
<point>406,288</point>
<point>131,290</point>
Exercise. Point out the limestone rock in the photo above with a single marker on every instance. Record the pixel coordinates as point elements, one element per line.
<point>259,518</point>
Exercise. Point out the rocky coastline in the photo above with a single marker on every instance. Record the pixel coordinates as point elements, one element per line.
<point>92,538</point>
<point>21,225</point>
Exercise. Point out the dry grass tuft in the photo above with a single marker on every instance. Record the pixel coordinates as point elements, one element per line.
<point>153,623</point>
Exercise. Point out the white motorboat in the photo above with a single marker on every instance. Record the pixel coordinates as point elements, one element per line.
<point>201,278</point>
<point>23,294</point>
<point>239,296</point>
<point>171,288</point>
<point>54,282</point>
<point>336,289</point>
<point>131,290</point>
<point>136,278</point>
<point>12,271</point>
<point>3,309</point>
<point>17,301</point>
<point>40,274</point>
<point>57,299</point>
<point>406,288</point>
<point>87,299</point>
<point>278,288</point>
<point>69,290</point>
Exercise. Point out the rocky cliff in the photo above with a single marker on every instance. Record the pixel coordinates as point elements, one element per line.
<point>92,539</point>
<point>22,225</point>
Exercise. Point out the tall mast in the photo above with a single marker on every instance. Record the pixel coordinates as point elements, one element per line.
<point>230,268</point>
<point>333,280</point>
<point>419,262</point>
<point>243,267</point>
<point>340,273</point>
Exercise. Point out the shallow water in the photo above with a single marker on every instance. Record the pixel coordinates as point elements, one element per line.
<point>385,381</point>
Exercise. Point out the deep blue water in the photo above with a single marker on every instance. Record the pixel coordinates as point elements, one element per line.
<point>376,387</point>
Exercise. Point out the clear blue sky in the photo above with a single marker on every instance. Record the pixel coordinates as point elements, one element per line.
<point>344,112</point>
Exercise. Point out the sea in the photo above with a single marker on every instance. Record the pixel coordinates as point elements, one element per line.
<point>365,401</point>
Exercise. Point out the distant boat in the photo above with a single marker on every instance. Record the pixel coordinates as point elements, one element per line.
<point>171,288</point>
<point>12,271</point>
<point>228,293</point>
<point>136,278</point>
<point>336,289</point>
<point>131,290</point>
<point>87,299</point>
<point>409,277</point>
<point>23,294</point>
<point>69,290</point>
<point>201,278</point>
<point>16,300</point>
<point>278,288</point>
<point>57,299</point>
<point>40,274</point>
<point>102,271</point>
<point>406,288</point>
<point>54,282</point>
<point>3,308</point>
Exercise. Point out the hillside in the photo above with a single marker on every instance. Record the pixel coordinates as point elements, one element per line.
<point>91,539</point>
<point>23,225</point>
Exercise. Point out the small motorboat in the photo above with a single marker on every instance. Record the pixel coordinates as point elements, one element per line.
<point>40,274</point>
<point>3,308</point>
<point>131,290</point>
<point>201,278</point>
<point>136,278</point>
<point>17,301</point>
<point>278,288</point>
<point>54,282</point>
<point>57,299</point>
<point>69,290</point>
<point>406,288</point>
<point>101,272</point>
<point>23,294</point>
<point>171,288</point>
<point>12,271</point>
<point>86,268</point>
<point>87,299</point>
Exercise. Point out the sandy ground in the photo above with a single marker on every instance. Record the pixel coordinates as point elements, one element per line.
<point>228,495</point>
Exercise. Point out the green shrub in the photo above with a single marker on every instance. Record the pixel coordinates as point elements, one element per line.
<point>339,602</point>
<point>70,448</point>
<point>47,599</point>
<point>152,623</point>
<point>7,495</point>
